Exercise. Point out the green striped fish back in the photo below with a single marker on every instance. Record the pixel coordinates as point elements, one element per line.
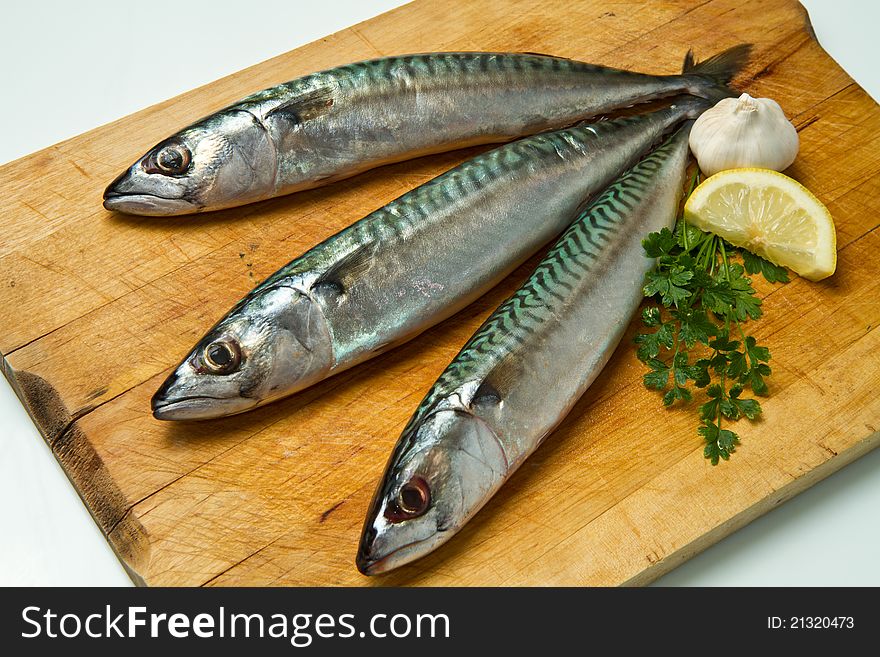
<point>514,321</point>
<point>464,66</point>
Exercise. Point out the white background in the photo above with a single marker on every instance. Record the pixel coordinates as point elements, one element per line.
<point>64,72</point>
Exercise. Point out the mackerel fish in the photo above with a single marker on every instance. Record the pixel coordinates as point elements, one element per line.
<point>524,369</point>
<point>336,123</point>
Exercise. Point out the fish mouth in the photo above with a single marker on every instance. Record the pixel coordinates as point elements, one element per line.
<point>147,204</point>
<point>370,566</point>
<point>196,407</point>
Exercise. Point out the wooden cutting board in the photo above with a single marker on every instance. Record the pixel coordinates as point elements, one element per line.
<point>98,307</point>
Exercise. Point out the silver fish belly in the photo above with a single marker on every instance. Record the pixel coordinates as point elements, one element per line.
<point>524,369</point>
<point>337,123</point>
<point>406,266</point>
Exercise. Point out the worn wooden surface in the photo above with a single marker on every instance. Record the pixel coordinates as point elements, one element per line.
<point>98,307</point>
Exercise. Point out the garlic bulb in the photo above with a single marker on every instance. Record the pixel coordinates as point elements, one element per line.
<point>744,132</point>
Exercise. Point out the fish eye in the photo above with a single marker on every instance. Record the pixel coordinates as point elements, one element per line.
<point>222,356</point>
<point>171,159</point>
<point>414,497</point>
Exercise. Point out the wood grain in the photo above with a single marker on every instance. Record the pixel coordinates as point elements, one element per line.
<point>100,306</point>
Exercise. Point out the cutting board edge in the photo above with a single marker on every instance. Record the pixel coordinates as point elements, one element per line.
<point>791,490</point>
<point>44,419</point>
<point>83,468</point>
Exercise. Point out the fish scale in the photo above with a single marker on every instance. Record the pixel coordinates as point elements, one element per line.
<point>523,370</point>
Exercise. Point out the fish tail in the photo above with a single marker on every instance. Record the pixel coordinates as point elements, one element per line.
<point>712,76</point>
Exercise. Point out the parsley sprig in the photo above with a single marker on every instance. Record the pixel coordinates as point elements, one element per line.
<point>705,297</point>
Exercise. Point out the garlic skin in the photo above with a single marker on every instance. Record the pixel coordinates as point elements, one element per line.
<point>744,132</point>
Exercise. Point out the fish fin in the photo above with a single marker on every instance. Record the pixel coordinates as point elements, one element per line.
<point>689,62</point>
<point>306,106</point>
<point>541,54</point>
<point>384,346</point>
<point>486,394</point>
<point>718,70</point>
<point>340,275</point>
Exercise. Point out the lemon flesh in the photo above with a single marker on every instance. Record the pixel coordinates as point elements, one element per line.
<point>770,215</point>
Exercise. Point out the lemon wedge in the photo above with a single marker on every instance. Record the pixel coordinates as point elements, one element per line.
<point>770,215</point>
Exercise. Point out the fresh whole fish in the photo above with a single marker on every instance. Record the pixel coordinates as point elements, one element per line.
<point>406,266</point>
<point>342,121</point>
<point>524,369</point>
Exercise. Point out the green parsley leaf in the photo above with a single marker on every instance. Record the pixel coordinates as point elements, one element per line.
<point>676,393</point>
<point>701,370</point>
<point>651,316</point>
<point>658,244</point>
<point>737,364</point>
<point>717,296</point>
<point>719,362</point>
<point>658,377</point>
<point>757,265</point>
<point>728,409</point>
<point>709,410</point>
<point>720,443</point>
<point>650,343</point>
<point>755,378</point>
<point>723,342</point>
<point>695,326</point>
<point>755,352</point>
<point>669,284</point>
<point>746,304</point>
<point>748,407</point>
<point>687,236</point>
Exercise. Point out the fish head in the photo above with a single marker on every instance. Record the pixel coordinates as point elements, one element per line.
<point>442,472</point>
<point>274,342</point>
<point>223,160</point>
